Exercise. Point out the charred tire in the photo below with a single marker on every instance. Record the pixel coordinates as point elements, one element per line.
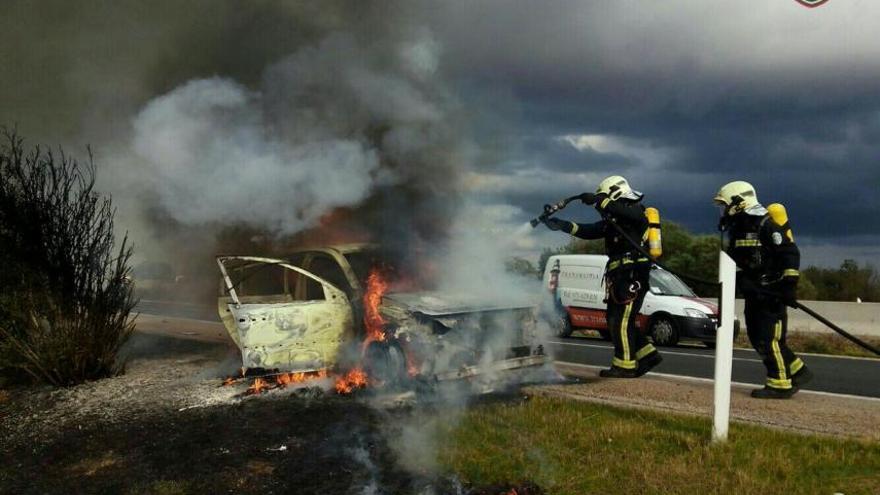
<point>563,326</point>
<point>664,332</point>
<point>385,363</point>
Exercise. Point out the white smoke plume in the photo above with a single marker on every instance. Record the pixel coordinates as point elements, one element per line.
<point>327,126</point>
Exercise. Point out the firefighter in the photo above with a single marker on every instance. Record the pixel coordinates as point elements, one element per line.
<point>762,245</point>
<point>626,274</point>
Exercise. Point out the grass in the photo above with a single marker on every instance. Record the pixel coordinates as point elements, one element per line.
<point>569,447</point>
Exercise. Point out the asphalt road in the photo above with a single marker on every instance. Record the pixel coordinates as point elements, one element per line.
<point>839,375</point>
<point>191,311</point>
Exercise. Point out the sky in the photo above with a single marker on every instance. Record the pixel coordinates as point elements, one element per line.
<point>679,96</point>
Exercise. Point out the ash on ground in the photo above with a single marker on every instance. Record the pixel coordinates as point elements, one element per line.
<point>168,426</point>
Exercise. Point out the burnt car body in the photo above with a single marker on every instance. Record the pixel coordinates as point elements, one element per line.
<point>301,313</point>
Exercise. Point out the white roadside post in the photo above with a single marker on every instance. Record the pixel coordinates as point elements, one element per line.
<point>724,347</point>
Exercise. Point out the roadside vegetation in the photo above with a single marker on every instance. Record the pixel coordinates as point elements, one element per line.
<point>569,447</point>
<point>820,343</point>
<point>697,255</point>
<point>65,304</point>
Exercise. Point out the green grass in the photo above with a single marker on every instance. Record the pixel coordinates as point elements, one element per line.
<point>570,447</point>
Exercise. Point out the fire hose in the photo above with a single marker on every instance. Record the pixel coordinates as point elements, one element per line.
<point>550,210</point>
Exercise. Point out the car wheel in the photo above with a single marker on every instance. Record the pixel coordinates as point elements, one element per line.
<point>385,363</point>
<point>664,332</point>
<point>563,326</point>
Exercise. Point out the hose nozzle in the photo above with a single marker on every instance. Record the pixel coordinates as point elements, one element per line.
<point>550,210</point>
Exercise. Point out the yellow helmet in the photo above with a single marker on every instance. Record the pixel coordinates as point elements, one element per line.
<point>617,187</point>
<point>736,196</point>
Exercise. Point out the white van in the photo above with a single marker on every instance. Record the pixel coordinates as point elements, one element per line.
<point>671,311</point>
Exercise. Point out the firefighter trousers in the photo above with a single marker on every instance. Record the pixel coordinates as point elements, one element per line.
<point>767,325</point>
<point>623,305</point>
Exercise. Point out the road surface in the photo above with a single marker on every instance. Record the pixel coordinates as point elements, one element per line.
<point>839,375</point>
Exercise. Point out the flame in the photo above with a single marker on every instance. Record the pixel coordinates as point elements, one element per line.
<point>352,380</point>
<point>257,387</point>
<point>281,380</point>
<point>412,366</point>
<point>284,379</point>
<point>374,324</point>
<point>231,379</point>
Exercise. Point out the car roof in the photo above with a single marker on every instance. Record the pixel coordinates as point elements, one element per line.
<point>340,248</point>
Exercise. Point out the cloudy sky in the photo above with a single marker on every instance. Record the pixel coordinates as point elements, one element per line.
<point>681,97</point>
<point>678,96</point>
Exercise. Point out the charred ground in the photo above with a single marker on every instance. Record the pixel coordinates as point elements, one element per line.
<point>166,427</point>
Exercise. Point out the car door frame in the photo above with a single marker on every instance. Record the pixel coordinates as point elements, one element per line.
<point>330,341</point>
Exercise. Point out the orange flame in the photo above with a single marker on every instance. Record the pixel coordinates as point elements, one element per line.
<point>257,387</point>
<point>231,379</point>
<point>352,380</point>
<point>283,380</point>
<point>374,324</point>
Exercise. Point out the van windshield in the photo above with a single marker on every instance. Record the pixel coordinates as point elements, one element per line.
<point>666,284</point>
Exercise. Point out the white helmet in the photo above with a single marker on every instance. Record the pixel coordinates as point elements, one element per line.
<point>736,196</point>
<point>617,187</point>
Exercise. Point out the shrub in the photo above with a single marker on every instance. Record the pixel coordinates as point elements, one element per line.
<point>65,306</point>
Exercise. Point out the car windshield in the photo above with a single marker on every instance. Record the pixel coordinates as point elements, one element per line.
<point>667,284</point>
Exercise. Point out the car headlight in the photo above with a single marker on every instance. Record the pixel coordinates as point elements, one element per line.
<point>695,313</point>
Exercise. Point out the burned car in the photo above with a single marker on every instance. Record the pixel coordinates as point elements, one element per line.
<point>319,309</point>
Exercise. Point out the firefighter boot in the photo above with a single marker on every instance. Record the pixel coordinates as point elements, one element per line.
<point>774,393</point>
<point>802,377</point>
<point>615,372</point>
<point>648,363</point>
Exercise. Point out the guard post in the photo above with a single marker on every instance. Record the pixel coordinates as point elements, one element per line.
<point>724,347</point>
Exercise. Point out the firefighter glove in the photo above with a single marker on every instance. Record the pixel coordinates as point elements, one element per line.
<point>588,198</point>
<point>788,291</point>
<point>748,287</point>
<point>555,223</point>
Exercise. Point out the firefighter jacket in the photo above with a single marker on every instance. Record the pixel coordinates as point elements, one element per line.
<point>764,251</point>
<point>626,213</point>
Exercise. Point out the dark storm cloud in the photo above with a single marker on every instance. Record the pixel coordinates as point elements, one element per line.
<point>689,93</point>
<point>780,95</point>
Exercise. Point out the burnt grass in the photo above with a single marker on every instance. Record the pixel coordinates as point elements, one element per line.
<point>215,450</point>
<point>289,444</point>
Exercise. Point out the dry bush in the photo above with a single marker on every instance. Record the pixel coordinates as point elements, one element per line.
<point>65,304</point>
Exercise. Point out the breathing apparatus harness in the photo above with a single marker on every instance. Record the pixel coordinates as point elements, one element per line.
<point>550,210</point>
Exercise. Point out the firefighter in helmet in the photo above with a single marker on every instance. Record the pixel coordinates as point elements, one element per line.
<point>762,245</point>
<point>626,274</point>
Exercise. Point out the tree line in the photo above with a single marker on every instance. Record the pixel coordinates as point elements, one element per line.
<point>697,255</point>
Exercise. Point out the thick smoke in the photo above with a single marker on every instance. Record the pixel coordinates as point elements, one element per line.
<point>351,130</point>
<point>332,125</point>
